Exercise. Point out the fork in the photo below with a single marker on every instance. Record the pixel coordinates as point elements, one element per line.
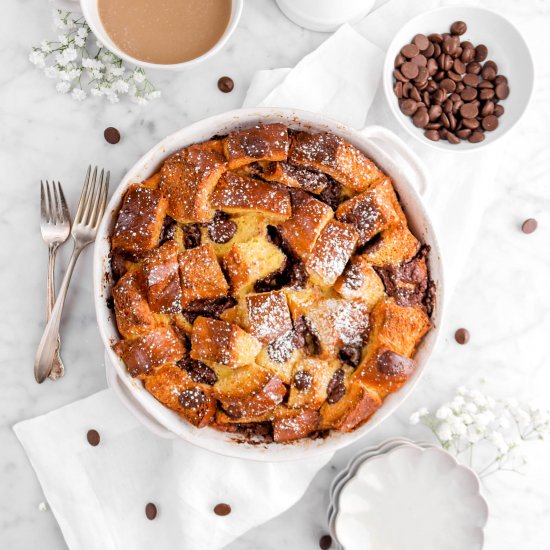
<point>55,226</point>
<point>91,208</point>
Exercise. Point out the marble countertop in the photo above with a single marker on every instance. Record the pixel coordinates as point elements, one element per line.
<point>502,296</point>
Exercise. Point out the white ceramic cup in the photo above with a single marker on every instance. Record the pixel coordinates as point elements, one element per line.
<point>90,11</point>
<point>507,48</point>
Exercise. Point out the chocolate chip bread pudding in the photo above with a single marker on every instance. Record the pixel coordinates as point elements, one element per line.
<point>266,283</point>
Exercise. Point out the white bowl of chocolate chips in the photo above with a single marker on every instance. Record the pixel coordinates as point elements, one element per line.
<point>458,77</point>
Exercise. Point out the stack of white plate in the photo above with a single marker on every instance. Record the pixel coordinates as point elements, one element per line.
<point>402,495</point>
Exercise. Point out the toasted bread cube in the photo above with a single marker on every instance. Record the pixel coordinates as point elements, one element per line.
<point>267,142</point>
<point>237,194</point>
<point>220,342</point>
<point>292,424</point>
<point>310,381</point>
<point>280,356</point>
<point>336,157</point>
<point>407,282</point>
<point>360,282</point>
<point>161,268</point>
<point>294,176</point>
<point>247,262</point>
<point>201,275</point>
<point>133,313</point>
<point>139,222</point>
<point>397,328</point>
<point>153,181</point>
<point>223,419</point>
<point>267,316</point>
<point>372,211</point>
<point>331,253</point>
<point>338,323</point>
<point>159,346</point>
<point>188,178</point>
<point>384,370</point>
<point>394,246</point>
<point>174,388</point>
<point>309,217</point>
<point>249,391</point>
<point>352,410</point>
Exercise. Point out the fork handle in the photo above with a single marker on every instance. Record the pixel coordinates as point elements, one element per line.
<point>57,369</point>
<point>48,344</point>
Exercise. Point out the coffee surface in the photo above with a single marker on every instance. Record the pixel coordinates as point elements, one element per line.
<point>165,31</point>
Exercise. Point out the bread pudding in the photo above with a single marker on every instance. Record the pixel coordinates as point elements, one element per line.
<point>266,283</point>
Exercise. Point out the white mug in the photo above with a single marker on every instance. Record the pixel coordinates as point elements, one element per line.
<point>324,15</point>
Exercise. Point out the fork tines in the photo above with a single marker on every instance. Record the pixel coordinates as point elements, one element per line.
<point>93,198</point>
<point>53,210</point>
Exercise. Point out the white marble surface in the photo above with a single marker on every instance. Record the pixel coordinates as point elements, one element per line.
<point>502,296</point>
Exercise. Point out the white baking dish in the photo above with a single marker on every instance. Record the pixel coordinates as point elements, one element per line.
<point>409,179</point>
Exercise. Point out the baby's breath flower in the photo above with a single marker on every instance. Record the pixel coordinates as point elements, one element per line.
<point>63,87</point>
<point>85,67</point>
<point>444,432</point>
<point>443,412</point>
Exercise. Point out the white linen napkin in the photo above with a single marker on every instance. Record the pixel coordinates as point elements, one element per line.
<point>98,494</point>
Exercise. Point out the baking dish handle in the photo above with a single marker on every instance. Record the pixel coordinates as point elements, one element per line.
<point>385,136</point>
<point>116,385</point>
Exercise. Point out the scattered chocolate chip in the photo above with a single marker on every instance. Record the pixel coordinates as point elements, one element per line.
<point>350,355</point>
<point>336,388</point>
<point>222,509</point>
<point>110,302</point>
<point>192,398</point>
<point>225,84</point>
<point>221,229</point>
<point>306,336</point>
<point>111,135</point>
<point>462,336</point>
<point>302,380</point>
<point>151,511</point>
<point>93,438</point>
<point>529,226</point>
<point>325,542</point>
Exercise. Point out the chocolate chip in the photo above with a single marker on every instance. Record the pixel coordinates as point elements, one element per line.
<point>409,70</point>
<point>221,229</point>
<point>458,28</point>
<point>490,123</point>
<point>499,110</point>
<point>471,80</point>
<point>409,107</point>
<point>302,380</point>
<point>529,226</point>
<point>399,60</point>
<point>208,307</point>
<point>392,364</point>
<point>410,50</point>
<point>198,372</point>
<point>111,135</point>
<point>469,110</point>
<point>468,94</point>
<point>93,438</point>
<point>222,509</point>
<point>325,542</point>
<point>476,137</point>
<point>225,84</point>
<point>191,235</point>
<point>432,135</point>
<point>336,388</point>
<point>502,90</point>
<point>350,355</point>
<point>192,398</point>
<point>306,336</point>
<point>151,511</point>
<point>421,118</point>
<point>421,41</point>
<point>332,193</point>
<point>481,53</point>
<point>462,336</point>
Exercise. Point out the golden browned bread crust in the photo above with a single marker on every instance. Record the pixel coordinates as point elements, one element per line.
<point>265,142</point>
<point>334,156</point>
<point>189,177</point>
<point>139,221</point>
<point>267,284</point>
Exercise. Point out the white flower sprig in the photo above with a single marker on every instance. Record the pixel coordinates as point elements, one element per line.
<point>472,419</point>
<point>81,64</point>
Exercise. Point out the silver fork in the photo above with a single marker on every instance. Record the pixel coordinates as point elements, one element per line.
<point>55,226</point>
<point>84,230</point>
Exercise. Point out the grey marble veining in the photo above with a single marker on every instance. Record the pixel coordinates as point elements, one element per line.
<point>502,296</point>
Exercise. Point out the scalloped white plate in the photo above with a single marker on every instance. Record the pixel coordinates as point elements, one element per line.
<point>413,498</point>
